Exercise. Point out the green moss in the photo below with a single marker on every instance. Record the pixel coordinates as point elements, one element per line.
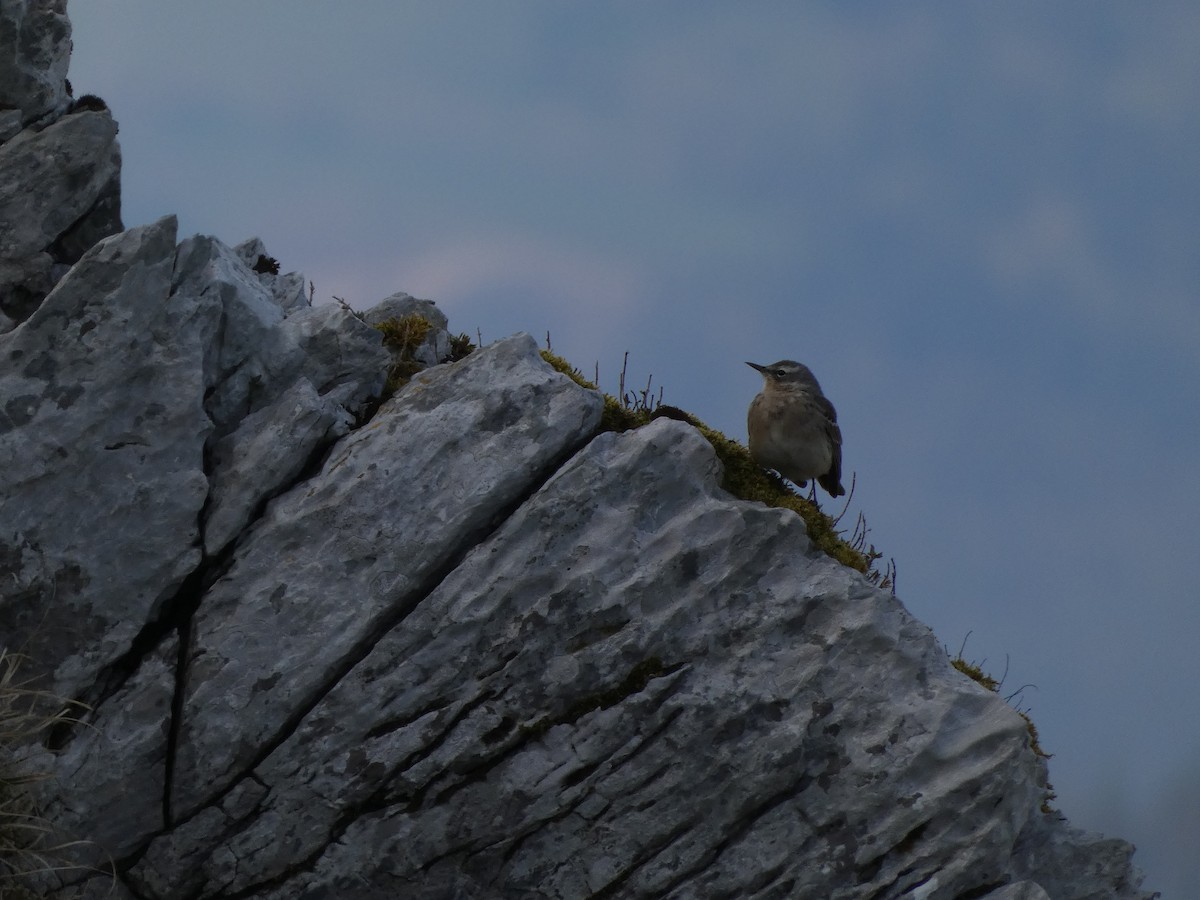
<point>402,335</point>
<point>975,673</point>
<point>617,417</point>
<point>461,347</point>
<point>561,365</point>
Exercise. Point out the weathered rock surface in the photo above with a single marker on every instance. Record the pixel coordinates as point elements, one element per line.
<point>288,290</point>
<point>453,645</point>
<point>59,194</point>
<point>394,505</point>
<point>457,660</point>
<point>35,48</point>
<point>70,161</point>
<point>267,452</point>
<point>102,439</point>
<point>637,685</point>
<point>59,173</point>
<point>141,362</point>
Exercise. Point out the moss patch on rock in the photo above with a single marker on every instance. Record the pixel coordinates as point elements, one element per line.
<point>743,478</point>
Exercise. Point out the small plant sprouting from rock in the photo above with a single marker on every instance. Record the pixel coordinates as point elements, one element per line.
<point>975,672</point>
<point>638,402</point>
<point>403,335</point>
<point>266,265</point>
<point>460,346</point>
<point>89,103</point>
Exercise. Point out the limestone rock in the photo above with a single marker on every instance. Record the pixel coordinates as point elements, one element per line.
<point>463,659</point>
<point>124,765</point>
<point>35,47</point>
<point>253,252</point>
<point>10,124</point>
<point>242,367</point>
<point>101,456</point>
<point>395,503</point>
<point>59,194</point>
<point>342,356</point>
<point>1061,859</point>
<point>636,687</point>
<point>266,453</point>
<point>288,290</point>
<point>260,354</point>
<point>51,178</point>
<point>1022,890</point>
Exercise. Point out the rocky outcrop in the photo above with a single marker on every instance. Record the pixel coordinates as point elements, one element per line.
<point>59,170</point>
<point>457,643</point>
<point>35,49</point>
<point>288,290</point>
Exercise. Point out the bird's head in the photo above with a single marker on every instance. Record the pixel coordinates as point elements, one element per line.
<point>787,374</point>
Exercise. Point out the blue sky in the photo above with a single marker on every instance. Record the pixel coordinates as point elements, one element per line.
<point>977,223</point>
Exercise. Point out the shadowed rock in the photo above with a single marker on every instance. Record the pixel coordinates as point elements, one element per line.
<point>59,194</point>
<point>35,48</point>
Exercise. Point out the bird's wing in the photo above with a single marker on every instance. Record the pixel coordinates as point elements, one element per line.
<point>827,410</point>
<point>832,480</point>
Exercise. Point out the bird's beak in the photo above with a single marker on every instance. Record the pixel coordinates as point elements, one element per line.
<point>761,369</point>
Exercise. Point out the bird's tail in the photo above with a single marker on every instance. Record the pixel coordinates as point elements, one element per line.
<point>832,484</point>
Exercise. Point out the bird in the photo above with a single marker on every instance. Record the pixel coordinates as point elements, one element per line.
<point>793,427</point>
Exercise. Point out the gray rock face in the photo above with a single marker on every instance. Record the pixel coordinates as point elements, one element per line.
<point>35,47</point>
<point>268,451</point>
<point>453,645</point>
<point>59,194</point>
<point>479,653</point>
<point>60,188</point>
<point>10,123</point>
<point>101,456</point>
<point>1022,890</point>
<point>287,290</point>
<point>259,354</point>
<point>476,437</point>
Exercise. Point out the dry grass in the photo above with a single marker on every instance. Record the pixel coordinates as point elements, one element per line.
<point>28,844</point>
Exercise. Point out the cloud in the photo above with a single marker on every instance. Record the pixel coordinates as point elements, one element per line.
<point>531,278</point>
<point>1050,250</point>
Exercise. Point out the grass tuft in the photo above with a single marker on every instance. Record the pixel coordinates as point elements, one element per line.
<point>27,842</point>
